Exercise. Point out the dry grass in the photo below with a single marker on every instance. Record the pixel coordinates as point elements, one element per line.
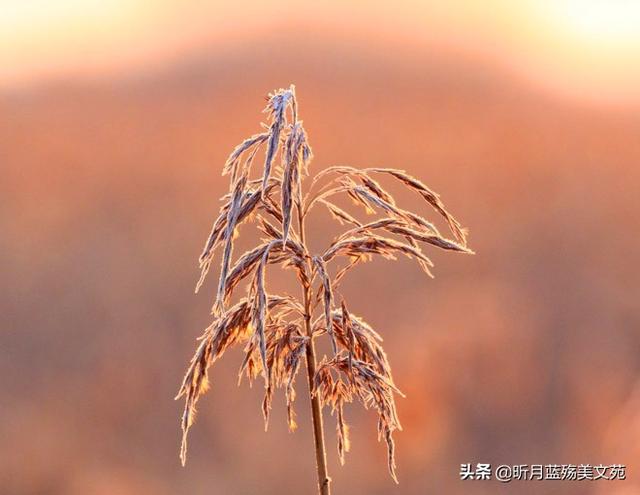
<point>277,331</point>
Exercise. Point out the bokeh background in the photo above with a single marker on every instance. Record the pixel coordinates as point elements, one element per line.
<point>116,118</point>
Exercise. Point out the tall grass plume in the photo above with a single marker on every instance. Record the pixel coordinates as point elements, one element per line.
<point>278,331</point>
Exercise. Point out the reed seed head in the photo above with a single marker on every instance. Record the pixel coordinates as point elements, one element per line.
<point>277,332</point>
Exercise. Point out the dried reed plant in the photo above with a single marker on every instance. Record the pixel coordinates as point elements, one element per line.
<point>279,332</point>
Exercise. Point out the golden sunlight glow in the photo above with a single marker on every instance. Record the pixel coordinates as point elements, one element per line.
<point>611,23</point>
<point>41,37</point>
<point>585,47</point>
<point>580,47</point>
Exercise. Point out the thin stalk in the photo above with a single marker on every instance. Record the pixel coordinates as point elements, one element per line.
<point>316,410</point>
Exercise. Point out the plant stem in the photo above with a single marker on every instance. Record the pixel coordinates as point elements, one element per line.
<point>316,410</point>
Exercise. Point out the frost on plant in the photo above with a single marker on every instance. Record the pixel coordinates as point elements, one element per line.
<point>277,331</point>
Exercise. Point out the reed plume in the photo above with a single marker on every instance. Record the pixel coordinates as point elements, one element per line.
<point>278,332</point>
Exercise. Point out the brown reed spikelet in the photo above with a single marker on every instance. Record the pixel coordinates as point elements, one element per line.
<point>278,331</point>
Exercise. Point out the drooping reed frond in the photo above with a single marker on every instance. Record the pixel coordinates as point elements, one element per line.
<point>278,332</point>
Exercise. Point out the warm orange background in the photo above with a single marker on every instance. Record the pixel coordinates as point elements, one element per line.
<point>116,119</point>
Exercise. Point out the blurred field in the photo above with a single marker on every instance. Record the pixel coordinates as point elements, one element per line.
<point>528,352</point>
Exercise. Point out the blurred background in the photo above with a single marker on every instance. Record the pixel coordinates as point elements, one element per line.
<point>116,119</point>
